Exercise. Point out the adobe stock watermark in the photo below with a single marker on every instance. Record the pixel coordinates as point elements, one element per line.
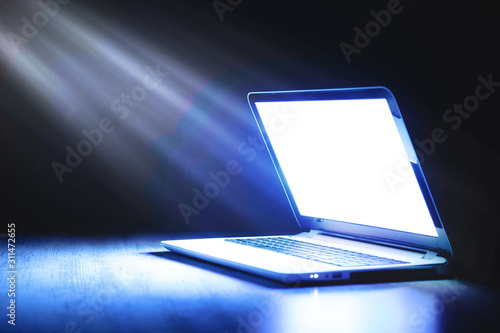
<point>11,273</point>
<point>421,319</point>
<point>122,107</point>
<point>86,312</point>
<point>264,309</point>
<point>222,7</point>
<point>30,27</point>
<point>454,117</point>
<point>221,179</point>
<point>363,37</point>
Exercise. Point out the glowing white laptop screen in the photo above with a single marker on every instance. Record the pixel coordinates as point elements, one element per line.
<point>341,158</point>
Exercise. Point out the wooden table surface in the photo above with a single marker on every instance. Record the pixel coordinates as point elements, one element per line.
<point>132,284</point>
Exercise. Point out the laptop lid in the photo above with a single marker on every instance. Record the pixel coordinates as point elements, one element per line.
<point>348,166</point>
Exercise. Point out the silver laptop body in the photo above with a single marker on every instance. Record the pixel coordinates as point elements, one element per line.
<point>354,184</point>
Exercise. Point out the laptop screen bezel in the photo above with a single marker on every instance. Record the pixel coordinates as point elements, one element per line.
<point>438,244</point>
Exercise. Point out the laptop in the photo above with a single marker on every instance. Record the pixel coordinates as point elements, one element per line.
<point>355,186</point>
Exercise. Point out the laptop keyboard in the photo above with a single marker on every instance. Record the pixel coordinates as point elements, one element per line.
<point>321,253</point>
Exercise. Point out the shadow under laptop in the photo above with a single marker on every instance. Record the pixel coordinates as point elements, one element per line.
<point>380,279</point>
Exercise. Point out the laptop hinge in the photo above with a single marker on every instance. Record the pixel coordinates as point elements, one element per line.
<point>429,255</point>
<point>313,233</point>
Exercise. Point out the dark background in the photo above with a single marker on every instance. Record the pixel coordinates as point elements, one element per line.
<point>430,56</point>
